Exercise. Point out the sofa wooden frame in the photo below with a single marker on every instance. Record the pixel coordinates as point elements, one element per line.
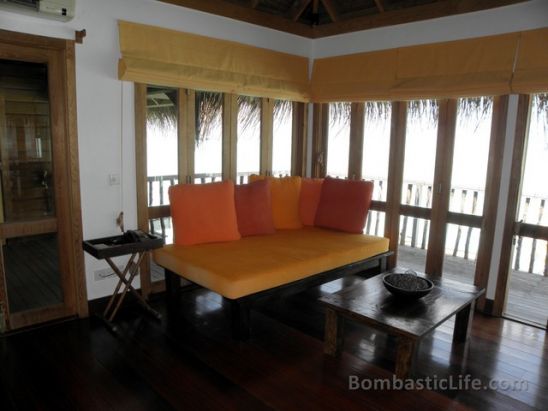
<point>240,307</point>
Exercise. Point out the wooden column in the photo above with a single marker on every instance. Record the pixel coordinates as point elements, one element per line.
<point>140,101</point>
<point>516,174</point>
<point>186,132</point>
<point>320,128</point>
<point>356,141</point>
<point>492,190</point>
<point>299,139</point>
<point>395,177</point>
<point>267,114</point>
<point>442,186</point>
<point>230,135</point>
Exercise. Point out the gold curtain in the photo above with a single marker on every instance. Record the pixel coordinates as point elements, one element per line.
<point>363,76</point>
<point>531,72</point>
<point>464,68</point>
<point>493,65</point>
<point>154,55</point>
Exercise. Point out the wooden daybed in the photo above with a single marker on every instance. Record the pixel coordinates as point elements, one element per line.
<point>259,267</point>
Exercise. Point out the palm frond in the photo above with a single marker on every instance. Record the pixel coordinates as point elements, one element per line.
<point>209,112</point>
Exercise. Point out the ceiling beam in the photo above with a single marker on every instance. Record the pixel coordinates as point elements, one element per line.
<point>297,9</point>
<point>290,24</point>
<point>247,14</point>
<point>438,9</point>
<point>331,9</point>
<point>379,5</point>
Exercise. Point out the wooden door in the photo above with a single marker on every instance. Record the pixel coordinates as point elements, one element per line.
<point>41,270</point>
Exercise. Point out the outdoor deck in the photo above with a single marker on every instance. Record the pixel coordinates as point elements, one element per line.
<point>527,295</point>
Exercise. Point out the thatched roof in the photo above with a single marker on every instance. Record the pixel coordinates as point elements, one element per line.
<point>162,109</point>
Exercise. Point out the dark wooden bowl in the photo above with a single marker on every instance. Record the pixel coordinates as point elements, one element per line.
<point>390,281</point>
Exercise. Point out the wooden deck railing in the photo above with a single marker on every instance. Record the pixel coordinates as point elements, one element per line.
<point>413,230</point>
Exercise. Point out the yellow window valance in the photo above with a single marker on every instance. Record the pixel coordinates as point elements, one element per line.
<point>154,55</point>
<point>481,66</point>
<point>354,77</point>
<point>531,72</point>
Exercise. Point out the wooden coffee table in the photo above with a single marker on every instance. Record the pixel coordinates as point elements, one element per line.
<point>370,303</point>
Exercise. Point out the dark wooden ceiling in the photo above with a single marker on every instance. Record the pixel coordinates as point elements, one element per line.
<point>321,18</point>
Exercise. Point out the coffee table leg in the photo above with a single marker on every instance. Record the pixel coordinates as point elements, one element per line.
<point>334,332</point>
<point>405,356</point>
<point>463,323</point>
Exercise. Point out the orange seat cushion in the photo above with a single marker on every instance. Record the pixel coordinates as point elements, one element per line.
<point>344,204</point>
<point>286,192</point>
<point>253,264</point>
<point>311,189</point>
<point>254,208</point>
<point>203,213</point>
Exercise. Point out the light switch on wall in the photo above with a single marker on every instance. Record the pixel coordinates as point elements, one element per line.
<point>114,179</point>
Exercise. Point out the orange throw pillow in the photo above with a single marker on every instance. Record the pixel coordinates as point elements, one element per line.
<point>285,201</point>
<point>344,205</point>
<point>203,213</point>
<point>311,189</point>
<point>254,208</point>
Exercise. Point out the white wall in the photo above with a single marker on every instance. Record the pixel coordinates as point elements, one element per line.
<point>105,104</point>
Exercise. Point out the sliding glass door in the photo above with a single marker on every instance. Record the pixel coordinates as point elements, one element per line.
<point>527,293</point>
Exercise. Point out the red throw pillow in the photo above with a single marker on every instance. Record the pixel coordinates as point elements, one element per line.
<point>344,204</point>
<point>311,189</point>
<point>203,213</point>
<point>254,208</point>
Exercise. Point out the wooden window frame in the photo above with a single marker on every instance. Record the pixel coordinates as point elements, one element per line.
<point>186,135</point>
<point>439,215</point>
<point>511,227</point>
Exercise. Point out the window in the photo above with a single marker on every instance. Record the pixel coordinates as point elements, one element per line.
<point>418,178</point>
<point>468,184</point>
<point>249,137</point>
<point>208,151</point>
<point>338,139</point>
<point>282,134</point>
<point>375,158</point>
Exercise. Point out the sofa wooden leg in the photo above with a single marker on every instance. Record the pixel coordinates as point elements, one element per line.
<point>173,284</point>
<point>383,264</point>
<point>240,320</point>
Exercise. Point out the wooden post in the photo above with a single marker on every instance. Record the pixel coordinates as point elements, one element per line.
<point>140,97</point>
<point>299,139</point>
<point>230,136</point>
<point>320,128</point>
<point>442,183</point>
<point>395,177</point>
<point>267,114</point>
<point>186,133</point>
<point>356,141</point>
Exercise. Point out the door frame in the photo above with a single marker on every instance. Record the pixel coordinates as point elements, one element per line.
<point>59,55</point>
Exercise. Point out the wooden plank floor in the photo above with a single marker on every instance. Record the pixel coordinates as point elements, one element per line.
<point>527,293</point>
<point>190,362</point>
<point>32,272</point>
